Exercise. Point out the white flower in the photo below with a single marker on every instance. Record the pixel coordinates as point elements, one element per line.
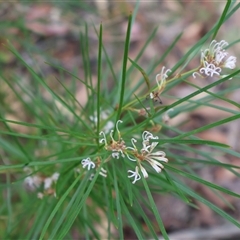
<point>47,183</point>
<point>146,136</point>
<point>161,82</point>
<point>88,163</point>
<point>210,69</point>
<point>147,154</point>
<point>213,59</point>
<point>155,158</point>
<point>55,176</point>
<point>33,182</point>
<point>215,52</point>
<point>104,139</point>
<point>116,147</point>
<point>219,56</point>
<point>230,62</point>
<point>215,46</point>
<point>162,76</point>
<point>135,174</point>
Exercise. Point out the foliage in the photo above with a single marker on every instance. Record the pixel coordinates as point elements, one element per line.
<point>102,164</point>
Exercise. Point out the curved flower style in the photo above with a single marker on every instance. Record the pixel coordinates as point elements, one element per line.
<point>213,59</point>
<point>210,69</point>
<point>88,163</point>
<point>136,174</point>
<point>146,136</point>
<point>163,76</point>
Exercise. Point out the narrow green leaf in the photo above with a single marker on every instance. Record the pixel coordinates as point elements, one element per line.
<point>118,205</point>
<point>197,92</point>
<point>146,219</point>
<point>216,95</point>
<point>130,219</point>
<point>190,141</point>
<point>142,72</point>
<point>76,207</point>
<point>124,67</point>
<point>99,80</point>
<point>60,202</point>
<point>222,18</point>
<point>209,126</point>
<point>202,181</point>
<point>207,203</point>
<point>72,210</point>
<point>180,193</point>
<point>154,209</point>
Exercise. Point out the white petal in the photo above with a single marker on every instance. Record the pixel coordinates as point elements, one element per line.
<point>55,176</point>
<point>230,62</point>
<point>47,183</point>
<point>144,172</point>
<point>156,165</point>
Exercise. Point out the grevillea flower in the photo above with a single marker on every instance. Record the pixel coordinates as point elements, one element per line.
<point>230,62</point>
<point>147,153</point>
<point>210,69</point>
<point>116,147</point>
<point>161,83</point>
<point>88,163</point>
<point>49,180</point>
<point>135,174</point>
<point>34,181</point>
<point>214,58</point>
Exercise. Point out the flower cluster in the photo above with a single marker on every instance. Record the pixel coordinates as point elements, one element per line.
<point>33,182</point>
<point>214,58</point>
<point>147,153</point>
<point>118,148</point>
<point>161,83</point>
<point>89,164</point>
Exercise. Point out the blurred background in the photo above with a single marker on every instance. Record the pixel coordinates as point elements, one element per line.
<point>51,33</point>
